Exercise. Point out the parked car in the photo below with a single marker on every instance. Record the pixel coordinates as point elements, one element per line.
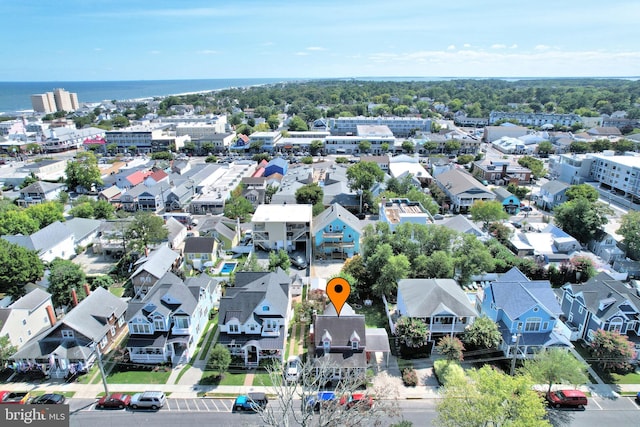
<point>16,397</point>
<point>527,209</point>
<point>567,398</point>
<point>114,400</point>
<point>250,402</point>
<point>322,400</point>
<point>148,400</point>
<point>49,399</point>
<point>638,397</point>
<point>292,369</point>
<point>357,400</point>
<point>298,261</point>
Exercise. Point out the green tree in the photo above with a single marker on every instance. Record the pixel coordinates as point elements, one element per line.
<point>408,147</point>
<point>18,266</point>
<point>145,230</point>
<point>309,194</point>
<point>630,230</point>
<point>297,124</point>
<point>315,146</point>
<point>364,146</point>
<point>279,259</point>
<point>430,146</point>
<point>273,121</point>
<point>535,165</point>
<point>612,350</point>
<point>362,175</point>
<point>463,159</point>
<point>519,191</point>
<point>82,210</point>
<point>581,218</point>
<point>6,350</point>
<point>103,210</point>
<point>64,276</point>
<point>489,397</point>
<point>17,221</point>
<point>545,148</point>
<point>582,191</point>
<point>487,212</point>
<point>83,171</point>
<point>452,146</point>
<point>483,333</point>
<point>46,213</point>
<point>450,347</point>
<point>412,332</point>
<point>251,264</point>
<point>238,207</point>
<point>437,265</point>
<point>102,281</point>
<point>472,257</point>
<point>211,159</point>
<point>555,366</point>
<point>396,268</point>
<point>219,358</point>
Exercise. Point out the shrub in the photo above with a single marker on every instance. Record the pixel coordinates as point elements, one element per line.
<point>410,377</point>
<point>447,370</point>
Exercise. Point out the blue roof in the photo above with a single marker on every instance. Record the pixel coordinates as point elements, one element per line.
<point>515,294</point>
<point>278,161</point>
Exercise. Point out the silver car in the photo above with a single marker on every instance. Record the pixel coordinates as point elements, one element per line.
<point>148,400</point>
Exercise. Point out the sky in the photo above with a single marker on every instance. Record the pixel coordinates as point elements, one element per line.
<point>95,40</point>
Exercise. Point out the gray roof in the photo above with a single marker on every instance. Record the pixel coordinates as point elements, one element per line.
<point>503,193</point>
<point>604,288</point>
<point>42,239</point>
<point>461,224</point>
<point>32,300</point>
<point>157,263</point>
<point>174,226</point>
<point>41,187</point>
<point>554,187</point>
<point>199,245</point>
<point>82,227</point>
<point>515,294</point>
<point>90,317</point>
<point>333,212</point>
<point>341,330</point>
<point>250,289</point>
<point>459,183</point>
<point>430,297</point>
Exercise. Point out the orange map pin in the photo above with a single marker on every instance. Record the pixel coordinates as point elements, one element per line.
<point>338,290</point>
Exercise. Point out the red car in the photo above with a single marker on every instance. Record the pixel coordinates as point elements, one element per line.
<point>114,400</point>
<point>357,400</point>
<point>567,398</point>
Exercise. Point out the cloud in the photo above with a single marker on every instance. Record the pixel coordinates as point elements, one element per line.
<point>207,52</point>
<point>302,53</point>
<point>542,47</point>
<point>498,46</point>
<point>513,46</point>
<point>466,45</point>
<point>316,48</point>
<point>451,47</point>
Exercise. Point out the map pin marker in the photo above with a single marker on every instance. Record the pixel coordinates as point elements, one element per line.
<point>338,290</point>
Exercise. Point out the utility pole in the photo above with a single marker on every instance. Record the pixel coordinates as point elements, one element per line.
<point>515,338</point>
<point>101,366</point>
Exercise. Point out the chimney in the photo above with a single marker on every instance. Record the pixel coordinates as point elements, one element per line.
<point>504,170</point>
<point>51,314</point>
<point>74,297</point>
<point>87,289</point>
<point>146,251</point>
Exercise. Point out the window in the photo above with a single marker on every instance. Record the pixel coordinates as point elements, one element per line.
<point>265,308</point>
<point>355,345</point>
<point>24,322</point>
<point>29,332</point>
<point>234,329</point>
<point>66,333</point>
<point>580,309</point>
<point>533,324</point>
<point>120,321</point>
<point>103,342</point>
<point>140,328</point>
<point>545,326</point>
<point>158,324</point>
<point>181,322</point>
<point>326,345</point>
<point>113,331</point>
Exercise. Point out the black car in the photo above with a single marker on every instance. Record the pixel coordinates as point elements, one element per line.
<point>49,399</point>
<point>298,261</point>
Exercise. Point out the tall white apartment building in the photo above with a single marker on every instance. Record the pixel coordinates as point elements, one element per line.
<point>399,126</point>
<point>621,173</point>
<point>43,103</point>
<point>58,100</point>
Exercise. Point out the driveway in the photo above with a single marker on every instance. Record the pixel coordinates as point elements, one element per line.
<point>93,264</point>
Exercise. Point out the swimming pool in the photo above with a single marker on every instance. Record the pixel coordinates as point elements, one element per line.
<point>228,267</point>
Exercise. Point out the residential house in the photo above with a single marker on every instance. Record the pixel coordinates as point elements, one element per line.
<point>144,198</point>
<point>226,231</point>
<point>283,226</point>
<point>549,245</point>
<point>150,268</point>
<point>254,316</point>
<point>201,252</point>
<point>340,343</point>
<point>111,194</point>
<point>601,303</point>
<point>552,194</point>
<point>53,241</point>
<point>84,230</point>
<point>628,266</point>
<point>165,324</point>
<point>440,303</point>
<point>527,314</point>
<point>462,224</point>
<point>400,211</point>
<point>110,240</point>
<point>510,202</point>
<point>462,190</point>
<point>276,165</point>
<point>403,165</point>
<point>382,161</point>
<point>336,233</point>
<point>178,197</point>
<point>70,346</point>
<point>27,317</point>
<point>606,247</point>
<point>501,172</point>
<point>39,192</point>
<point>177,232</point>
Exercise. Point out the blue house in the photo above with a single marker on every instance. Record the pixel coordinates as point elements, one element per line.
<point>277,165</point>
<point>336,233</point>
<point>601,303</point>
<point>510,203</point>
<point>527,313</point>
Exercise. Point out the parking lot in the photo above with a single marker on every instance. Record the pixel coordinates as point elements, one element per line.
<point>177,405</point>
<point>622,403</point>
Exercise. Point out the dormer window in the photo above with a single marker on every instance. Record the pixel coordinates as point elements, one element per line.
<point>234,329</point>
<point>265,308</point>
<point>355,345</point>
<point>326,341</point>
<point>67,334</point>
<point>355,340</point>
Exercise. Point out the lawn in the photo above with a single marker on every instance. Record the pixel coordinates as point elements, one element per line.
<point>374,315</point>
<point>262,379</point>
<point>139,376</point>
<point>117,291</point>
<point>205,350</point>
<point>630,378</point>
<point>228,378</point>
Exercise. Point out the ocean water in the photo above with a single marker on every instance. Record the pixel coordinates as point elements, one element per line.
<point>16,96</point>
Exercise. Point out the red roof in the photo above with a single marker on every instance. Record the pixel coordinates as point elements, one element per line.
<point>258,173</point>
<point>158,175</point>
<point>138,176</point>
